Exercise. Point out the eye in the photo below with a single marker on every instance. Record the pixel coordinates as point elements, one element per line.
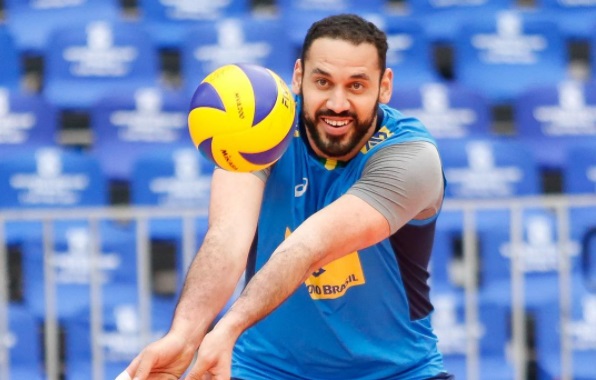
<point>357,86</point>
<point>322,82</point>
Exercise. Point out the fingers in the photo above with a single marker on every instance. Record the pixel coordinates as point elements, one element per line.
<point>123,376</point>
<point>140,367</point>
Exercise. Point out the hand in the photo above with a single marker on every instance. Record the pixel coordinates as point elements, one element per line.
<point>164,359</point>
<point>214,359</point>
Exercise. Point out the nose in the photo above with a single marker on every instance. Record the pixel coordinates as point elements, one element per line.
<point>338,101</point>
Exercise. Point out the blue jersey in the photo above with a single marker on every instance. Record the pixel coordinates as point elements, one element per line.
<point>363,316</point>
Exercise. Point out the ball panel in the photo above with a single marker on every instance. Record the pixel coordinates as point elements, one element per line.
<point>205,147</point>
<point>269,156</point>
<point>265,90</point>
<point>206,96</point>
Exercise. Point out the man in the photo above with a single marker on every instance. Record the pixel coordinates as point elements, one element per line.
<point>337,236</point>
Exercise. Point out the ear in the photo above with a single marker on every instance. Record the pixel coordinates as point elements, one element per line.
<point>386,87</point>
<point>297,77</point>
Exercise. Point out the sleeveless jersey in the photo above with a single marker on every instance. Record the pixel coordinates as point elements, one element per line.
<point>363,316</point>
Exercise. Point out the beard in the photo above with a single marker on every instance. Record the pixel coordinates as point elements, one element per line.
<point>337,146</point>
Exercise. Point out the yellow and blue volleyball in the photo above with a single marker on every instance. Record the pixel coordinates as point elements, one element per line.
<point>242,117</point>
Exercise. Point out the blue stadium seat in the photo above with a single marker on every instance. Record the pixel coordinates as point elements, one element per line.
<point>255,40</point>
<point>443,19</point>
<point>298,15</point>
<point>479,169</point>
<point>24,343</point>
<point>130,123</point>
<point>121,336</point>
<point>10,64</point>
<point>72,266</point>
<point>173,178</point>
<point>492,332</point>
<point>448,110</point>
<point>33,21</point>
<point>488,168</point>
<point>86,62</point>
<point>551,119</point>
<point>168,21</point>
<point>410,53</point>
<point>27,121</point>
<point>503,56</point>
<point>576,19</point>
<point>580,327</point>
<point>539,252</point>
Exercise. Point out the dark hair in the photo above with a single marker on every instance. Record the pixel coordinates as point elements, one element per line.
<point>351,28</point>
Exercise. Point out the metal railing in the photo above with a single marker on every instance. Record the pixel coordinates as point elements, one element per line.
<point>142,215</point>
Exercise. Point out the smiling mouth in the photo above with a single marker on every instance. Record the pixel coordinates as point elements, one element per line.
<point>336,123</point>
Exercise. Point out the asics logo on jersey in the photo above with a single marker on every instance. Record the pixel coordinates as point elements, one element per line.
<point>300,189</point>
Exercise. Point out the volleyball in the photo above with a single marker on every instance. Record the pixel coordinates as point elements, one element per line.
<point>242,117</point>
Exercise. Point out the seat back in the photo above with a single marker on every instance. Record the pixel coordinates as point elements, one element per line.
<point>552,119</point>
<point>410,54</point>
<point>575,19</point>
<point>51,177</point>
<point>449,111</point>
<point>127,124</point>
<point>34,21</point>
<point>85,62</point>
<point>488,168</point>
<point>26,122</point>
<point>169,21</point>
<point>259,41</point>
<point>504,55</point>
<point>442,19</point>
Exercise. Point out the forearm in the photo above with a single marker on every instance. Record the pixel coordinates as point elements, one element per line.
<point>210,282</point>
<point>285,271</point>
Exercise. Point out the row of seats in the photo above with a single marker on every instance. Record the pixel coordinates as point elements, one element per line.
<point>481,169</point>
<point>499,55</point>
<point>549,121</point>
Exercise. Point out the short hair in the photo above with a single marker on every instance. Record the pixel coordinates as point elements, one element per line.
<point>351,28</point>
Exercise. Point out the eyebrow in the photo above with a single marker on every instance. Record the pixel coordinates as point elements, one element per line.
<point>354,76</point>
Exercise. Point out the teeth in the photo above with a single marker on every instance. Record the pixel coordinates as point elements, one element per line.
<point>336,123</point>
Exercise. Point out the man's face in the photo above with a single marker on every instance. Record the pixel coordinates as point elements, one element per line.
<point>340,90</point>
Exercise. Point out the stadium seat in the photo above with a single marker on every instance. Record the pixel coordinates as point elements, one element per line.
<point>539,252</point>
<point>72,267</point>
<point>582,341</point>
<point>551,119</point>
<point>121,335</point>
<point>575,19</point>
<point>176,178</point>
<point>478,169</point>
<point>298,15</point>
<point>130,123</point>
<point>488,168</point>
<point>503,56</point>
<point>448,110</point>
<point>168,21</point>
<point>27,121</point>
<point>442,19</point>
<point>86,62</point>
<point>10,63</point>
<point>410,54</point>
<point>34,21</point>
<point>453,332</point>
<point>239,40</point>
<point>24,344</point>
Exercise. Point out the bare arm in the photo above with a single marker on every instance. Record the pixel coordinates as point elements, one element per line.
<point>211,279</point>
<point>346,225</point>
<point>218,265</point>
